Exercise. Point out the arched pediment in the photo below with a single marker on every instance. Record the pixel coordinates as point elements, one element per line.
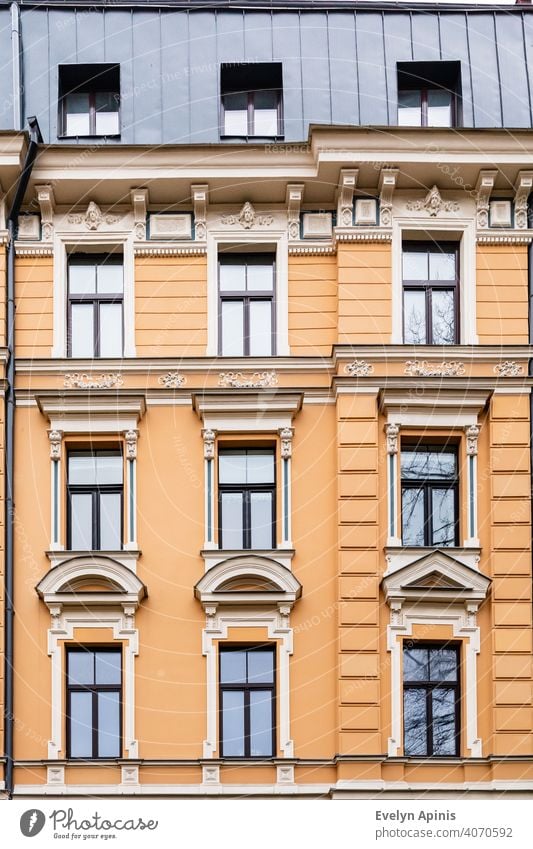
<point>436,577</point>
<point>90,579</point>
<point>248,579</point>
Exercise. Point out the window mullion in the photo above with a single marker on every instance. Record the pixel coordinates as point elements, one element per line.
<point>247,742</point>
<point>95,722</point>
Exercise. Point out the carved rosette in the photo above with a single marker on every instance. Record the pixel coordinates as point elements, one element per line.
<point>55,437</point>
<point>172,380</point>
<point>509,368</point>
<point>392,432</point>
<point>208,435</point>
<point>130,437</point>
<point>359,368</point>
<point>286,434</point>
<point>472,434</point>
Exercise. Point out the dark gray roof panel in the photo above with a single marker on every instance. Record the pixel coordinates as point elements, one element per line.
<point>339,64</point>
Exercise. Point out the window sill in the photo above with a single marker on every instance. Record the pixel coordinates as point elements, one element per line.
<point>126,558</point>
<point>212,557</point>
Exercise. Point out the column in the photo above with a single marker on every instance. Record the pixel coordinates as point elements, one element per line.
<point>286,434</point>
<point>130,437</point>
<point>209,476</point>
<point>394,536</point>
<point>55,437</point>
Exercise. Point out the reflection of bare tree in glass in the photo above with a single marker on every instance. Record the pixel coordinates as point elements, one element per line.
<point>443,317</point>
<point>415,326</point>
<point>428,467</point>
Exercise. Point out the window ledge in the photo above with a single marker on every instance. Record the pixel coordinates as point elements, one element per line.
<point>125,558</point>
<point>212,557</point>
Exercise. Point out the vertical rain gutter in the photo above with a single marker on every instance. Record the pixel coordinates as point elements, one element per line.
<point>21,186</point>
<point>16,60</point>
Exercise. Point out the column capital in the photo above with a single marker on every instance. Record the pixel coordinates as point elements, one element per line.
<point>472,435</point>
<point>55,437</point>
<point>209,435</point>
<point>131,437</point>
<point>392,431</point>
<point>286,435</point>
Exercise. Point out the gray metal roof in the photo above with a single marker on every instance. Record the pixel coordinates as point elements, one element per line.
<point>339,63</point>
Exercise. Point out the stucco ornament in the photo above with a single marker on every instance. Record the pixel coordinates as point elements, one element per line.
<point>472,435</point>
<point>55,437</point>
<point>93,218</point>
<point>208,435</point>
<point>77,380</point>
<point>240,380</point>
<point>359,368</point>
<point>247,218</point>
<point>509,368</point>
<point>433,203</point>
<point>286,434</point>
<point>427,369</point>
<point>392,432</point>
<point>171,380</point>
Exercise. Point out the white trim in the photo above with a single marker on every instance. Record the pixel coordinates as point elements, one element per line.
<point>277,237</point>
<point>65,240</point>
<point>277,623</point>
<point>434,407</point>
<point>467,270</point>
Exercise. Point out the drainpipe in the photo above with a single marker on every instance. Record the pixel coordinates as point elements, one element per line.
<point>22,184</point>
<point>530,330</point>
<point>16,62</point>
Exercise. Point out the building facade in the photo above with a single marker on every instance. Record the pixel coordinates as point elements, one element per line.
<point>271,530</point>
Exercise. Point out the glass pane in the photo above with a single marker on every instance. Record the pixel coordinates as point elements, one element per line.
<point>260,278</point>
<point>261,724</point>
<point>232,328</point>
<point>264,99</point>
<point>261,519</point>
<point>442,266</point>
<point>443,664</point>
<point>417,464</point>
<point>415,664</point>
<point>81,279</point>
<point>231,518</point>
<point>236,114</point>
<point>108,667</point>
<point>77,115</point>
<point>409,109</point>
<point>81,725</point>
<point>265,122</point>
<point>414,722</point>
<point>232,467</point>
<point>414,317</point>
<point>80,667</point>
<point>81,521</point>
<point>110,521</point>
<point>443,706</point>
<point>107,122</point>
<point>260,328</point>
<point>82,468</point>
<point>233,667</point>
<point>110,330</point>
<point>232,277</point>
<point>232,723</point>
<point>415,265</point>
<point>260,466</point>
<point>260,667</point>
<point>443,514</point>
<point>443,316</point>
<point>413,516</point>
<point>110,278</point>
<point>439,108</point>
<point>109,725</point>
<point>82,330</point>
<point>109,468</point>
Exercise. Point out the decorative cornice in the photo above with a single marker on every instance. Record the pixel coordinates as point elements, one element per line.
<point>413,368</point>
<point>504,237</point>
<point>176,249</point>
<point>433,204</point>
<point>509,368</point>
<point>35,249</point>
<point>359,368</point>
<point>172,380</point>
<point>79,380</point>
<point>366,235</point>
<point>299,248</point>
<point>242,380</point>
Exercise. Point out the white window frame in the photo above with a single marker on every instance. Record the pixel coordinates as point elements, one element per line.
<point>275,240</point>
<point>66,243</point>
<point>443,230</point>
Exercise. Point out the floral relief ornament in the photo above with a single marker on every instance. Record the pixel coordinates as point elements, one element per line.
<point>239,380</point>
<point>427,369</point>
<point>433,203</point>
<point>172,380</point>
<point>509,368</point>
<point>93,218</point>
<point>359,368</point>
<point>247,218</point>
<point>77,380</point>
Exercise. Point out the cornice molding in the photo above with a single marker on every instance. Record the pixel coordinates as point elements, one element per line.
<point>164,249</point>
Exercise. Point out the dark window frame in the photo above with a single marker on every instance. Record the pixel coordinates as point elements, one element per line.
<point>428,286</point>
<point>95,490</point>
<point>247,688</point>
<point>94,298</point>
<point>248,259</point>
<point>98,83</point>
<point>424,100</point>
<point>250,134</point>
<point>246,490</point>
<point>94,689</point>
<point>429,687</point>
<point>428,484</point>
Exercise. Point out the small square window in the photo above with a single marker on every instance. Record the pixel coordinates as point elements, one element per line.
<point>89,98</point>
<point>251,100</point>
<point>429,94</point>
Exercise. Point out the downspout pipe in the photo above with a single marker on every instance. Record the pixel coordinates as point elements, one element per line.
<point>16,63</point>
<point>530,337</point>
<point>22,184</point>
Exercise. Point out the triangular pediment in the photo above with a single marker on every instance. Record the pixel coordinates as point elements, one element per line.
<point>436,576</point>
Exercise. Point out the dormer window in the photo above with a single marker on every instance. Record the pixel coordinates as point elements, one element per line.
<point>89,97</point>
<point>428,94</point>
<point>251,100</point>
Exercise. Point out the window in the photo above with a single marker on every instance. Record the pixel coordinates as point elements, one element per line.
<point>431,706</point>
<point>89,97</point>
<point>246,305</point>
<point>95,488</point>
<point>94,702</point>
<point>428,94</point>
<point>247,702</point>
<point>247,506</point>
<point>251,100</point>
<point>429,495</point>
<point>430,293</point>
<point>95,305</point>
